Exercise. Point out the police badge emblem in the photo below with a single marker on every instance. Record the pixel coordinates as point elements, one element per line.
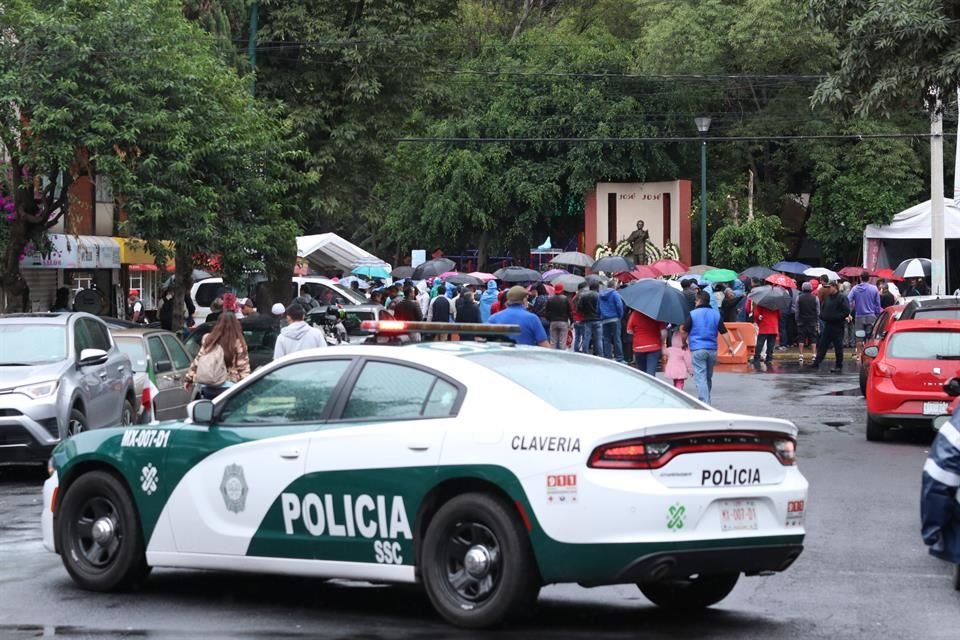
<point>233,488</point>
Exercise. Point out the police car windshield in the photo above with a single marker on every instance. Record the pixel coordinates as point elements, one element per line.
<point>32,343</point>
<point>925,345</point>
<point>559,378</point>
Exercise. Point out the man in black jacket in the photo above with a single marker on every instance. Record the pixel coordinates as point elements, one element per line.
<point>559,314</point>
<point>588,306</point>
<point>833,313</point>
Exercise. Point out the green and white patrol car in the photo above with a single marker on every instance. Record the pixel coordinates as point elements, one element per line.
<point>481,471</point>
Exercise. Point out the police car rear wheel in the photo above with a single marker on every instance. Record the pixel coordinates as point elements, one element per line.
<point>695,592</point>
<point>99,535</point>
<point>956,577</point>
<point>476,565</point>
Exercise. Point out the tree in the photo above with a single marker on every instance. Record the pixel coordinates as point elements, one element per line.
<point>740,245</point>
<point>892,54</point>
<point>860,182</point>
<point>190,156</point>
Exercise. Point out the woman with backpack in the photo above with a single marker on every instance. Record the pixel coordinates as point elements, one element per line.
<point>223,359</point>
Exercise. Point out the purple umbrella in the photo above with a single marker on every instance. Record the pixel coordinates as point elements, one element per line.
<point>548,276</point>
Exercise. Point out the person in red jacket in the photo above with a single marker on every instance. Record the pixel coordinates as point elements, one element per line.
<point>648,337</point>
<point>768,328</point>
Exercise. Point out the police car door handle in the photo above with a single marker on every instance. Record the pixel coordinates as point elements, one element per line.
<point>290,454</point>
<point>418,447</point>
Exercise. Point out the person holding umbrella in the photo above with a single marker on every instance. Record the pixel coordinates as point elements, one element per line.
<point>833,313</point>
<point>700,332</point>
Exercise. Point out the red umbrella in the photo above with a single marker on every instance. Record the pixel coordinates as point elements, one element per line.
<point>851,272</point>
<point>639,273</point>
<point>782,280</point>
<point>670,267</point>
<point>887,274</point>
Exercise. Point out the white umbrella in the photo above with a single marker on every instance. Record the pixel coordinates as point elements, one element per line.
<point>913,268</point>
<point>816,272</point>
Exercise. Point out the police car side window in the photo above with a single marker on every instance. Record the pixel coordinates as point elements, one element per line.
<point>387,391</point>
<point>296,393</point>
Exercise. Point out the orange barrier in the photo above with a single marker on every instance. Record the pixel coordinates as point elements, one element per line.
<point>743,335</point>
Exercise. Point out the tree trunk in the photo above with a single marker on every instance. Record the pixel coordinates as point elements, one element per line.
<point>750,197</point>
<point>482,250</point>
<point>16,288</point>
<point>182,281</point>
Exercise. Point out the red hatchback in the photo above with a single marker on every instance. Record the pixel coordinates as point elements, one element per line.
<point>909,369</point>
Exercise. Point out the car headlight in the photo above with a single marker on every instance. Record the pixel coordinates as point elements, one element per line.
<point>39,390</point>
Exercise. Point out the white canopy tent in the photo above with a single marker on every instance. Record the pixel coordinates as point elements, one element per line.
<point>908,236</point>
<point>330,251</point>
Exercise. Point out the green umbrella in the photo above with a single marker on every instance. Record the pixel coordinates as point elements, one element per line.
<point>720,275</point>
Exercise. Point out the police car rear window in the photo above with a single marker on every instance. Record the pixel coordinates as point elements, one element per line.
<point>571,382</point>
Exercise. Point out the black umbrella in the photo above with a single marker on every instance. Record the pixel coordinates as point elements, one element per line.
<point>757,272</point>
<point>771,297</point>
<point>433,268</point>
<point>656,299</point>
<point>516,274</point>
<point>613,264</point>
<point>401,273</point>
<point>463,279</point>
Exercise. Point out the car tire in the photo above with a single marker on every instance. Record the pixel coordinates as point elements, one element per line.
<point>485,532</point>
<point>956,577</point>
<point>98,534</point>
<point>128,415</point>
<point>863,382</point>
<point>77,422</point>
<point>875,430</point>
<point>691,594</point>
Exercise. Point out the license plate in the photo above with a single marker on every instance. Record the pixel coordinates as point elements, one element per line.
<point>934,408</point>
<point>738,515</point>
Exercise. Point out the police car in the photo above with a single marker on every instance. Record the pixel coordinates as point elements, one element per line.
<point>480,471</point>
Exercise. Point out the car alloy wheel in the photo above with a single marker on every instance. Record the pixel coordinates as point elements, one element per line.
<point>128,414</point>
<point>473,562</point>
<point>97,532</point>
<point>77,423</point>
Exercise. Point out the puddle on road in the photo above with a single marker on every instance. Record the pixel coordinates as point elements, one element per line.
<point>845,392</point>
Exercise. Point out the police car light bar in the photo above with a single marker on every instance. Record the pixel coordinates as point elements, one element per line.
<point>402,326</point>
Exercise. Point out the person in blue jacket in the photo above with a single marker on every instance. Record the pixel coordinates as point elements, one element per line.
<point>487,299</point>
<point>939,509</point>
<point>611,317</point>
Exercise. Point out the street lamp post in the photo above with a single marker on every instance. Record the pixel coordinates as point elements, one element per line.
<point>703,125</point>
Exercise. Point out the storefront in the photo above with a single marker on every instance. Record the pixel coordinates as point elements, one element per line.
<point>87,265</point>
<point>139,271</point>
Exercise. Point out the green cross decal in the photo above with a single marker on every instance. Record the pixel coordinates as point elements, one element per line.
<point>677,516</point>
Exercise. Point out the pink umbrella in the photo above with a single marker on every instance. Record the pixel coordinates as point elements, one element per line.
<point>486,277</point>
<point>549,275</point>
<point>447,274</point>
<point>670,267</point>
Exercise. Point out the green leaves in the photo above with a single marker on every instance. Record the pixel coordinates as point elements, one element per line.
<point>738,246</point>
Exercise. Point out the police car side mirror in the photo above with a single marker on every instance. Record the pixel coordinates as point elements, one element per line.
<point>861,334</point>
<point>200,412</point>
<point>871,352</point>
<point>952,388</point>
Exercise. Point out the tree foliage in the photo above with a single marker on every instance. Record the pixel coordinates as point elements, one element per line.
<point>891,53</point>
<point>190,156</point>
<point>740,245</point>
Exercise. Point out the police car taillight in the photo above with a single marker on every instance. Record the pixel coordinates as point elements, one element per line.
<point>657,451</point>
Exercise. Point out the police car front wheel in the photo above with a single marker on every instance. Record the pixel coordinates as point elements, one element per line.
<point>695,592</point>
<point>99,536</point>
<point>476,564</point>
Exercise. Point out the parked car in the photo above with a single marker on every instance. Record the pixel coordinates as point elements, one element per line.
<point>160,356</point>
<point>60,374</point>
<point>260,333</point>
<point>925,308</point>
<point>909,368</point>
<point>323,290</point>
<point>877,333</point>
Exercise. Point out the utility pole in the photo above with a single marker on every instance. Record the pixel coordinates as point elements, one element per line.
<point>252,45</point>
<point>938,283</point>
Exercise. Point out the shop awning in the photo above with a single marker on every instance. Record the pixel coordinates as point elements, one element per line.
<point>75,252</point>
<point>133,251</point>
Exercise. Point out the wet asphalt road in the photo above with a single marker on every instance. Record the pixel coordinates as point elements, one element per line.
<point>864,574</point>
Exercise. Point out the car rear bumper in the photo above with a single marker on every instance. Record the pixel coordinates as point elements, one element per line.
<point>908,420</point>
<point>666,565</point>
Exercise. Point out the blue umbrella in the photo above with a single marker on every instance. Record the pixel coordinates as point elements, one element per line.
<point>613,264</point>
<point>790,267</point>
<point>656,299</point>
<point>371,271</point>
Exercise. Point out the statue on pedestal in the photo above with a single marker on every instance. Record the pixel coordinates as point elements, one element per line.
<point>638,244</point>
